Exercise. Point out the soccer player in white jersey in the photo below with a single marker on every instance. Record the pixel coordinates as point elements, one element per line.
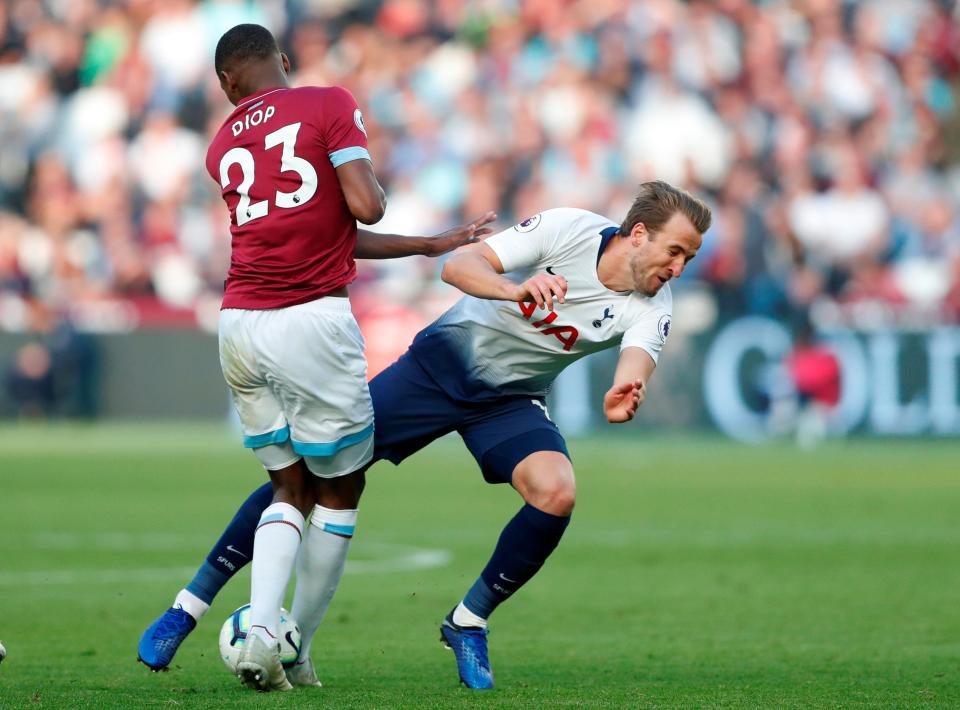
<point>556,287</point>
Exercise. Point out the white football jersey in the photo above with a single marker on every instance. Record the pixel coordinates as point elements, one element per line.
<point>481,348</point>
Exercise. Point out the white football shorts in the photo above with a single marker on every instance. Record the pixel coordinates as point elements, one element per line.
<point>299,383</point>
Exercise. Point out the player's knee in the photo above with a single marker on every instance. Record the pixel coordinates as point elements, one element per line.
<point>342,493</point>
<point>299,499</point>
<point>563,498</point>
<point>292,487</point>
<point>555,494</point>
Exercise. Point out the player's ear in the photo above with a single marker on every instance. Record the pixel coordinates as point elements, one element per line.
<point>639,233</point>
<point>285,62</point>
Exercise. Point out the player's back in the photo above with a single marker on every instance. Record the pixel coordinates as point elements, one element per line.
<point>275,159</point>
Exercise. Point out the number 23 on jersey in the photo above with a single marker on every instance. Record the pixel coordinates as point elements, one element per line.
<point>246,210</point>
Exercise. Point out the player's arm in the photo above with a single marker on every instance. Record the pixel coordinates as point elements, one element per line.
<point>629,389</point>
<point>477,270</point>
<point>372,245</point>
<point>365,198</point>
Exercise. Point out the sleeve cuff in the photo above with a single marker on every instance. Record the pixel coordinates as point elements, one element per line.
<point>648,349</point>
<point>506,260</point>
<point>345,155</point>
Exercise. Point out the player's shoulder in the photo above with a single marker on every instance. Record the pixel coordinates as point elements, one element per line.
<point>664,297</point>
<point>219,144</point>
<point>661,301</point>
<point>574,215</point>
<point>567,220</point>
<point>329,95</point>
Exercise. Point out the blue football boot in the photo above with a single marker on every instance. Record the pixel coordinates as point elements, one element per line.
<point>163,637</point>
<point>469,645</point>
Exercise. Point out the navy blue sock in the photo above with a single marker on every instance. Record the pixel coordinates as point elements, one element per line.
<point>523,547</point>
<point>234,549</point>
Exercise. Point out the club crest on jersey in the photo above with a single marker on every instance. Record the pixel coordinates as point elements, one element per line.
<point>663,327</point>
<point>358,119</point>
<point>607,313</point>
<point>529,224</point>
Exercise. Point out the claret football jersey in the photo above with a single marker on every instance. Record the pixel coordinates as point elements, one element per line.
<point>275,159</point>
<point>481,349</point>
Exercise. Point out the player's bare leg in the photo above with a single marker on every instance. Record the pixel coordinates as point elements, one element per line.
<point>322,558</point>
<point>275,547</point>
<point>293,485</point>
<point>342,492</point>
<point>545,481</point>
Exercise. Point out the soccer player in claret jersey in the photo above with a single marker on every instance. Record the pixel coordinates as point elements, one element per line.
<point>296,177</point>
<point>484,367</point>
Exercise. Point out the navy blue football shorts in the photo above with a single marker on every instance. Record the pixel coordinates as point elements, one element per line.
<point>411,410</point>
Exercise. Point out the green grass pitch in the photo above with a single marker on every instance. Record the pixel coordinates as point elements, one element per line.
<point>696,574</point>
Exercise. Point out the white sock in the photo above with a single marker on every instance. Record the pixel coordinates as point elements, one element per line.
<point>320,563</point>
<point>191,603</point>
<point>274,554</point>
<point>464,617</point>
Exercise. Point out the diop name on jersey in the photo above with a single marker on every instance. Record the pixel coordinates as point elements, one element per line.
<point>254,118</point>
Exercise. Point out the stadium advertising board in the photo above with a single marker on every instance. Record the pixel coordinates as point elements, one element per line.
<point>892,382</point>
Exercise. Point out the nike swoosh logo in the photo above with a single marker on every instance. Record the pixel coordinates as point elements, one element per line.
<point>507,579</point>
<point>551,271</point>
<point>237,552</point>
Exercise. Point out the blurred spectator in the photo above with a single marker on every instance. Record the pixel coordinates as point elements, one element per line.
<point>844,228</point>
<point>55,373</point>
<point>814,372</point>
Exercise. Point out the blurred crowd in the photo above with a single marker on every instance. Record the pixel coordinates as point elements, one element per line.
<point>825,135</point>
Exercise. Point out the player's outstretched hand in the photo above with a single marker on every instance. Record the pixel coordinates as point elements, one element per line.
<point>542,289</point>
<point>460,235</point>
<point>621,402</point>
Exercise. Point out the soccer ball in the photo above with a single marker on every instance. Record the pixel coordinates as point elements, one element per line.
<point>233,634</point>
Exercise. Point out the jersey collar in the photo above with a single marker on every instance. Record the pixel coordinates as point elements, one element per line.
<point>253,97</point>
<point>605,236</point>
